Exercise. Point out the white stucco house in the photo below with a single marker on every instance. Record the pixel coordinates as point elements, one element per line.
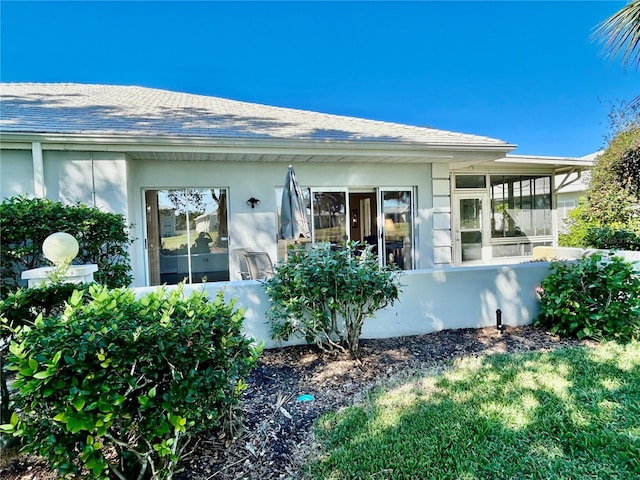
<point>425,198</point>
<point>571,187</point>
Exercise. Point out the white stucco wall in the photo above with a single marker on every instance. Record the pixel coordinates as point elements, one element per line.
<point>95,179</point>
<point>256,228</point>
<point>431,300</point>
<point>16,173</point>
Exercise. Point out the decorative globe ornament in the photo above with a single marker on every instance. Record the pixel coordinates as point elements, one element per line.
<point>60,247</point>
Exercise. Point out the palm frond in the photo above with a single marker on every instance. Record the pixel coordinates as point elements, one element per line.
<point>620,34</point>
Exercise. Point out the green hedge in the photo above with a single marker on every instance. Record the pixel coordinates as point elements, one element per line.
<point>117,387</point>
<point>594,297</point>
<point>25,224</point>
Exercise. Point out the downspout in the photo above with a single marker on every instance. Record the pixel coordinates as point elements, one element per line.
<point>38,169</point>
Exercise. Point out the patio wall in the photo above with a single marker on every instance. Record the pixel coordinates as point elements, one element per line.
<point>431,300</point>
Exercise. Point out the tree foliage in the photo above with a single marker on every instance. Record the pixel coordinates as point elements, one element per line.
<point>620,34</point>
<point>613,195</point>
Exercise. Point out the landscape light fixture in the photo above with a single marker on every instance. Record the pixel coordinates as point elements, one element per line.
<point>499,324</point>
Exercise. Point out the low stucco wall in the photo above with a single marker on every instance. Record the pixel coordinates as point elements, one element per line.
<point>431,300</point>
<point>572,253</point>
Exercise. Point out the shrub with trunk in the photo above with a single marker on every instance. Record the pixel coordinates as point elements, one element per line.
<point>325,294</point>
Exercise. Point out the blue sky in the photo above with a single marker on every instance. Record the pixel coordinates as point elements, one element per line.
<point>526,72</point>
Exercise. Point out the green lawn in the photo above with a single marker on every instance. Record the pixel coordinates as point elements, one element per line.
<point>569,414</point>
<point>174,243</point>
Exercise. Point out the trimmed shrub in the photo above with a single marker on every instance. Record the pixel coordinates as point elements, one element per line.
<point>118,387</point>
<point>593,297</point>
<point>21,308</point>
<point>25,223</point>
<point>326,294</point>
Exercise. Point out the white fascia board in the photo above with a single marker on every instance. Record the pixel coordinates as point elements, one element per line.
<point>557,163</point>
<point>258,146</point>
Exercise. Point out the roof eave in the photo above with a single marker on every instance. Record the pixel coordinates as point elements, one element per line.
<point>177,143</point>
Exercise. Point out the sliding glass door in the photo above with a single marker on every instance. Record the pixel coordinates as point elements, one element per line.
<point>187,237</point>
<point>396,207</point>
<point>329,212</point>
<point>340,215</point>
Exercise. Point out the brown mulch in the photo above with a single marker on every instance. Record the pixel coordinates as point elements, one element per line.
<point>278,427</point>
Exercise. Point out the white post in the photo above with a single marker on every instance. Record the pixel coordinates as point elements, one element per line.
<point>38,169</point>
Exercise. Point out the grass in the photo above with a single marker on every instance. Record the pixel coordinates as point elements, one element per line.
<point>567,414</point>
<point>178,241</point>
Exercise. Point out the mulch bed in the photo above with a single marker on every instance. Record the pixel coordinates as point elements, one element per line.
<point>278,428</point>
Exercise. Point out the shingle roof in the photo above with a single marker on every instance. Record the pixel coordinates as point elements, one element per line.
<point>69,108</point>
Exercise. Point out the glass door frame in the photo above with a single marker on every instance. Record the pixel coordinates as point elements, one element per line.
<point>381,228</point>
<point>313,191</point>
<point>153,272</point>
<point>457,230</point>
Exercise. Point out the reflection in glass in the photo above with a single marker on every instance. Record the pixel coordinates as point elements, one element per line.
<point>188,239</point>
<point>470,213</point>
<point>471,181</point>
<point>329,217</point>
<point>397,228</point>
<point>471,245</point>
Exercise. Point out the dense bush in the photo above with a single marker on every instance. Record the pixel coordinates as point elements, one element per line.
<point>25,223</point>
<point>117,387</point>
<point>325,294</point>
<point>613,195</point>
<point>608,238</point>
<point>594,297</point>
<point>20,308</point>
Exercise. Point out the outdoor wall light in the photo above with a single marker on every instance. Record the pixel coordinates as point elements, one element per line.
<point>253,202</point>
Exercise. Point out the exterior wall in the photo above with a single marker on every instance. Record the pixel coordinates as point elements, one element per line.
<point>430,300</point>
<point>442,241</point>
<point>97,179</point>
<point>257,228</point>
<point>568,197</point>
<point>16,173</point>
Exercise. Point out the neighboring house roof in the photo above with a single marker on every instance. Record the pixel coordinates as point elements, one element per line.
<point>108,110</point>
<point>559,164</point>
<point>577,181</point>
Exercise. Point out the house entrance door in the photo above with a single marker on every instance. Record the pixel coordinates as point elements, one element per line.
<point>470,236</point>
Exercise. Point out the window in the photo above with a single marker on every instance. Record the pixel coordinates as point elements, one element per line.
<point>520,206</point>
<point>329,217</point>
<point>187,237</point>
<point>564,207</point>
<point>471,181</point>
<point>520,214</point>
<point>339,214</point>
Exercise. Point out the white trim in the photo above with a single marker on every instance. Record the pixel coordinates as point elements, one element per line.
<point>38,170</point>
<point>485,229</point>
